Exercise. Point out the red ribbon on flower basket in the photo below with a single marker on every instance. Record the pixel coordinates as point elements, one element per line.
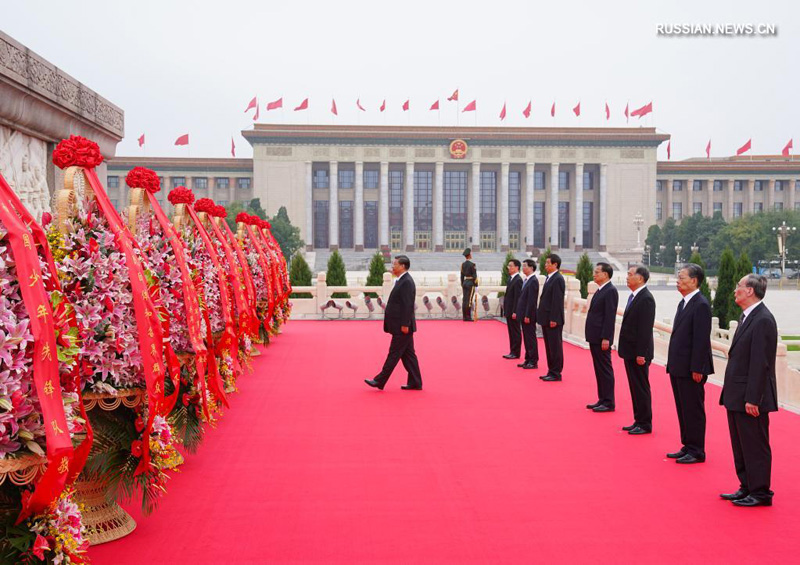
<point>263,262</point>
<point>45,359</point>
<point>234,272</point>
<point>147,324</point>
<point>147,179</point>
<point>247,275</point>
<point>269,244</point>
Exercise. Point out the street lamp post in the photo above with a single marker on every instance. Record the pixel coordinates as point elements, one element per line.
<point>783,232</point>
<point>661,249</point>
<point>695,248</point>
<point>638,221</point>
<point>647,250</point>
<point>678,250</point>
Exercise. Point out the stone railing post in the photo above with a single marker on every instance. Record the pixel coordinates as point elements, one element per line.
<point>387,286</point>
<point>322,291</point>
<point>573,293</point>
<point>453,288</point>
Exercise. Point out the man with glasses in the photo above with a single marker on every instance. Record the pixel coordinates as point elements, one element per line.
<point>750,393</point>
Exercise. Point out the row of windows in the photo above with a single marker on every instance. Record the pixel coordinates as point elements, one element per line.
<point>197,182</point>
<point>738,185</point>
<point>697,208</point>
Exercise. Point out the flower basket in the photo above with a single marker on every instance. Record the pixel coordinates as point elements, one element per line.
<point>21,470</point>
<point>105,519</point>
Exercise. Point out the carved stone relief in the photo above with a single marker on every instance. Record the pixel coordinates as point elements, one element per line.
<point>23,163</point>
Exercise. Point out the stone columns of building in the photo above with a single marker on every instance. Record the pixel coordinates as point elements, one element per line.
<point>504,172</point>
<point>554,205</point>
<point>750,199</point>
<point>438,208</point>
<point>578,206</point>
<point>604,205</point>
<point>689,211</point>
<point>730,193</point>
<point>792,193</point>
<point>475,205</point>
<point>769,195</point>
<point>358,203</point>
<point>408,208</point>
<point>333,207</point>
<point>668,189</point>
<point>309,190</point>
<point>709,198</point>
<point>383,208</point>
<point>529,192</point>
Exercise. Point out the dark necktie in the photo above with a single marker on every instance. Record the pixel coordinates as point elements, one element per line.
<point>628,305</point>
<point>681,305</point>
<point>739,327</point>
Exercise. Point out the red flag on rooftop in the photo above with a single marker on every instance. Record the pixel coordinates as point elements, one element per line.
<point>255,116</point>
<point>608,112</point>
<point>435,105</point>
<point>553,110</point>
<point>359,106</point>
<point>669,149</point>
<point>527,111</point>
<point>383,106</point>
<point>253,104</point>
<point>182,140</point>
<point>471,107</point>
<point>503,112</point>
<point>141,140</point>
<point>303,105</point>
<point>643,111</point>
<point>744,148</point>
<point>333,107</point>
<point>626,112</point>
<point>454,96</point>
<point>406,105</point>
<point>785,151</point>
<point>233,148</point>
<point>577,109</point>
<point>708,150</point>
<point>276,104</point>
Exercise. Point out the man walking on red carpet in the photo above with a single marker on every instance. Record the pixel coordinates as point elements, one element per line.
<point>399,320</point>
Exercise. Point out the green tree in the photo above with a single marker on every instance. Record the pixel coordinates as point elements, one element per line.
<point>504,276</point>
<point>542,258</point>
<point>583,273</point>
<point>705,290</point>
<point>743,267</point>
<point>337,275</point>
<point>721,307</point>
<point>300,275</point>
<point>255,206</point>
<point>252,207</point>
<point>377,267</point>
<point>287,235</point>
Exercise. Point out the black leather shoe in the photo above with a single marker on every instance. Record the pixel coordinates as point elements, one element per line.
<point>602,408</point>
<point>688,459</point>
<point>521,364</point>
<point>543,377</point>
<point>638,431</point>
<point>374,384</point>
<point>410,387</point>
<point>628,428</point>
<point>738,495</point>
<point>530,366</point>
<point>677,454</point>
<point>510,356</point>
<point>752,501</point>
<point>552,379</point>
<point>592,406</point>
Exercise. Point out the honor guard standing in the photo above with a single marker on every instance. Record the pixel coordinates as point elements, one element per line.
<point>469,283</point>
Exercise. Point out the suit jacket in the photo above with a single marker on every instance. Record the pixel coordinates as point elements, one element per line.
<point>511,297</point>
<point>750,375</point>
<point>400,307</point>
<point>636,333</point>
<point>551,304</point>
<point>602,316</point>
<point>690,342</point>
<point>528,298</point>
<point>468,269</point>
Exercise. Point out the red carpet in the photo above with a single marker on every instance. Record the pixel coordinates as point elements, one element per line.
<point>488,464</point>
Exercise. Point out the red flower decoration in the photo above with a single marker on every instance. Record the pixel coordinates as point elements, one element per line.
<point>220,211</point>
<point>205,205</point>
<point>141,177</point>
<point>39,547</point>
<point>268,225</point>
<point>46,219</point>
<point>243,217</point>
<point>180,195</point>
<point>77,151</point>
<point>136,448</point>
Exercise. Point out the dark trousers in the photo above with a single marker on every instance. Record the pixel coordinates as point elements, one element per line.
<point>553,349</point>
<point>639,382</point>
<point>466,304</point>
<point>752,456</point>
<point>514,336</point>
<point>531,343</point>
<point>401,349</point>
<point>604,373</point>
<point>690,402</point>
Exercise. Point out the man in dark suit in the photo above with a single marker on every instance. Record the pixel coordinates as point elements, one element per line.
<point>399,320</point>
<point>689,363</point>
<point>513,288</point>
<point>601,322</point>
<point>526,314</point>
<point>636,348</point>
<point>469,281</point>
<point>550,315</point>
<point>750,393</point>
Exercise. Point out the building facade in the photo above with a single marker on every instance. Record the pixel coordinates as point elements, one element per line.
<point>732,186</point>
<point>441,188</point>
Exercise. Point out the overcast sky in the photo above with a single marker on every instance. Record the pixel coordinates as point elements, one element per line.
<point>179,67</point>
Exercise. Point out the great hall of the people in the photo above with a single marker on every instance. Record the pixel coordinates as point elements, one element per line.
<point>446,188</point>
